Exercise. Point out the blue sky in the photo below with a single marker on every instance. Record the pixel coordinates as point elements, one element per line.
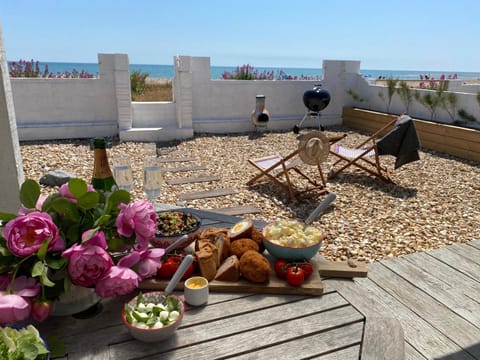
<point>425,35</point>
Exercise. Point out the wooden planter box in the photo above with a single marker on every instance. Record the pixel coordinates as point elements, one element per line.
<point>453,140</point>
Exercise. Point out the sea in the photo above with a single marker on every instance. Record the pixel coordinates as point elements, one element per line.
<point>216,72</point>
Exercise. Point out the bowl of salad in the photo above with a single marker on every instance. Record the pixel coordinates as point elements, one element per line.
<point>148,320</point>
<point>173,224</point>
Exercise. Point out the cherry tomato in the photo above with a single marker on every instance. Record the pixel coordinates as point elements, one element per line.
<point>307,269</point>
<point>171,264</point>
<point>280,267</point>
<point>295,276</point>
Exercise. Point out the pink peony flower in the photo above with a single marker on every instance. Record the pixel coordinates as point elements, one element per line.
<point>138,218</point>
<point>147,261</point>
<point>87,264</point>
<point>118,281</point>
<point>97,239</point>
<point>64,191</point>
<point>41,310</point>
<point>26,287</point>
<point>26,233</point>
<point>13,308</point>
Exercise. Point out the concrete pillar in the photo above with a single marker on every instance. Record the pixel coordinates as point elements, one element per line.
<point>182,91</point>
<point>337,74</point>
<point>116,67</point>
<point>10,157</point>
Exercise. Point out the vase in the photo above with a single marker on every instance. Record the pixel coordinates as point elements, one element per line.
<point>76,300</point>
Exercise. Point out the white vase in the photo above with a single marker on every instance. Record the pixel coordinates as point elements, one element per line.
<point>76,300</point>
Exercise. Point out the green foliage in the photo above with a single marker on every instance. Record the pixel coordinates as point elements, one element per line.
<point>449,104</point>
<point>406,94</point>
<point>433,99</point>
<point>355,96</point>
<point>137,83</point>
<point>391,88</point>
<point>22,344</point>
<point>466,116</point>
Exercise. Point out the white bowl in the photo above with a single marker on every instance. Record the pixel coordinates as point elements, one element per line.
<point>153,335</point>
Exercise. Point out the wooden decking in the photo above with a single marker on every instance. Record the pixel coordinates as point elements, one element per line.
<point>434,295</point>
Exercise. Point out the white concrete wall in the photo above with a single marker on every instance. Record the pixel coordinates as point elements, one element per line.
<point>74,108</point>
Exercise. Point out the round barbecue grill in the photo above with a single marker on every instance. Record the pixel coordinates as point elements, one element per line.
<point>315,100</point>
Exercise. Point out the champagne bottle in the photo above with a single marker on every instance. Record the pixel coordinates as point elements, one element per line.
<point>102,178</point>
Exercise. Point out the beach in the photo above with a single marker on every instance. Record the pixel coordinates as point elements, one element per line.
<point>435,202</point>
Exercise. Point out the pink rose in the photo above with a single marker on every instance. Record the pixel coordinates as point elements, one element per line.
<point>118,281</point>
<point>26,233</point>
<point>13,308</point>
<point>147,261</point>
<point>87,264</point>
<point>97,239</point>
<point>64,191</point>
<point>138,218</point>
<point>41,310</point>
<point>5,280</point>
<point>26,287</point>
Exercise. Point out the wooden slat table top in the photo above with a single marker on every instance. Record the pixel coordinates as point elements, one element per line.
<point>231,324</point>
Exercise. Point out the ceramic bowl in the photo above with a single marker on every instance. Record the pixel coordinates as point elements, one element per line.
<point>290,252</point>
<point>153,335</point>
<point>171,226</point>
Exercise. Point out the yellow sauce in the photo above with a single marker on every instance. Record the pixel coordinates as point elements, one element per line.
<point>196,283</point>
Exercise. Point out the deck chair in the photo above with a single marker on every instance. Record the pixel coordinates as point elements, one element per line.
<point>277,168</point>
<point>400,141</point>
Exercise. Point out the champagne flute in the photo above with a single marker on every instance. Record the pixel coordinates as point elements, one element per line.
<point>152,178</point>
<point>122,172</point>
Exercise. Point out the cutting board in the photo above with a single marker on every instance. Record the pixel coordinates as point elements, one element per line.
<point>313,286</point>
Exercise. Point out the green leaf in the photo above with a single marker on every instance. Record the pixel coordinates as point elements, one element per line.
<point>115,198</point>
<point>55,263</point>
<point>29,193</point>
<point>38,269</point>
<point>102,220</point>
<point>67,208</point>
<point>88,200</point>
<point>42,252</point>
<point>4,217</point>
<point>77,187</point>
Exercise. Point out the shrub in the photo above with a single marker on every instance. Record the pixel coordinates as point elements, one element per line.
<point>32,68</point>
<point>137,83</point>
<point>248,72</point>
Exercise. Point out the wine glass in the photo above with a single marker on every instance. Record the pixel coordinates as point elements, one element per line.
<point>122,172</point>
<point>152,178</point>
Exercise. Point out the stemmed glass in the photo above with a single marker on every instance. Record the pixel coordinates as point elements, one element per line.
<point>122,172</point>
<point>152,178</point>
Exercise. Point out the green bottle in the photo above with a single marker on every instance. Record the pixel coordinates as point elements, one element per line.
<point>102,178</point>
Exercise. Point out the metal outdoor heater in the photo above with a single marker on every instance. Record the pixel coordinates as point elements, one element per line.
<point>260,115</point>
<point>315,100</point>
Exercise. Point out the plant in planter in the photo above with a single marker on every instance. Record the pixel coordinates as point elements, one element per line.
<point>391,89</point>
<point>433,99</point>
<point>406,94</point>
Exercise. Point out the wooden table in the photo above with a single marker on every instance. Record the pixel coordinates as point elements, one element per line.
<point>231,325</point>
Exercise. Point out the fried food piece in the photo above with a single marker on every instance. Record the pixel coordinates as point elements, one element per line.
<point>255,267</point>
<point>257,236</point>
<point>240,246</point>
<point>229,270</point>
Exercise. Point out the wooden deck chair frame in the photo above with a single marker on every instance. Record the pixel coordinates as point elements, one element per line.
<point>279,167</point>
<point>372,167</point>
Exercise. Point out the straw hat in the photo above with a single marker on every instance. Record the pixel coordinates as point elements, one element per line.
<point>313,148</point>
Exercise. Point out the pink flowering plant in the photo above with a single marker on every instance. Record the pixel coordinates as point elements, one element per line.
<point>76,236</point>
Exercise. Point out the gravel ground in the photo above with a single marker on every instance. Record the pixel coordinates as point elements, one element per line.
<point>435,202</point>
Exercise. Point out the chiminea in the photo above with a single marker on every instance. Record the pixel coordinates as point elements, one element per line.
<point>260,115</point>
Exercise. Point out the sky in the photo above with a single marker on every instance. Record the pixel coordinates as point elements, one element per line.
<point>424,35</point>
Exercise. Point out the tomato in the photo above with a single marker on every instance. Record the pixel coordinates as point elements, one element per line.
<point>307,269</point>
<point>280,267</point>
<point>171,264</point>
<point>295,276</point>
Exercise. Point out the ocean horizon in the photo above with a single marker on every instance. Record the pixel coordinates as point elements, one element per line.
<point>216,72</point>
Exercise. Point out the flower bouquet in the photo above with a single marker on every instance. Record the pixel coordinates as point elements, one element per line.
<point>76,236</point>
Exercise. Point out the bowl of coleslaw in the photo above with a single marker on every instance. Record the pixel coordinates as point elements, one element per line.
<point>291,240</point>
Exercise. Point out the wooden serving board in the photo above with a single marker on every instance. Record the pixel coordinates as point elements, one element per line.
<point>313,286</point>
